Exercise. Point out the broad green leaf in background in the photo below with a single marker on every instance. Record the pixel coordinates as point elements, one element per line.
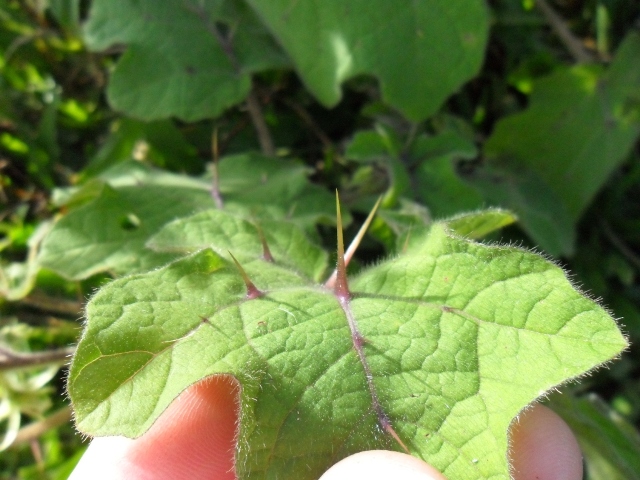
<point>580,125</point>
<point>438,183</point>
<point>540,209</point>
<point>109,233</point>
<point>264,187</point>
<point>479,224</point>
<point>458,338</point>
<point>174,65</point>
<point>113,216</point>
<point>421,52</point>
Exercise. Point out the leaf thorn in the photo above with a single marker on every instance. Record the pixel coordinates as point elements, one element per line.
<point>340,285</point>
<point>252,290</point>
<point>215,186</point>
<point>355,243</point>
<point>266,253</point>
<point>386,426</point>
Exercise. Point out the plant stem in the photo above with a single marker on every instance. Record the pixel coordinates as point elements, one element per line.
<point>572,44</point>
<point>36,429</point>
<point>10,359</point>
<point>52,304</point>
<point>253,103</point>
<point>255,112</point>
<point>620,245</point>
<point>306,117</point>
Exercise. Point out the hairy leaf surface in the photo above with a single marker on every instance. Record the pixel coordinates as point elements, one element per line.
<point>109,224</point>
<point>457,337</point>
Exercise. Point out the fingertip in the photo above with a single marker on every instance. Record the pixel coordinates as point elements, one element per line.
<point>104,459</point>
<point>193,439</point>
<point>382,464</point>
<point>543,447</point>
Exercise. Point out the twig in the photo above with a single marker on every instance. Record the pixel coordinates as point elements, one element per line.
<point>253,103</point>
<point>565,35</point>
<point>10,359</point>
<point>255,112</point>
<point>413,131</point>
<point>52,304</point>
<point>620,245</point>
<point>306,117</point>
<point>36,429</point>
<point>215,186</point>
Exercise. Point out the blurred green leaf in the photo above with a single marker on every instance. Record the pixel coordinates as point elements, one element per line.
<point>580,125</point>
<point>174,64</point>
<point>479,224</point>
<point>263,187</point>
<point>109,233</point>
<point>420,52</point>
<point>438,181</point>
<point>540,209</point>
<point>159,143</point>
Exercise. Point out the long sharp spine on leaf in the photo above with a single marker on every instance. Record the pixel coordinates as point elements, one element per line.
<point>266,253</point>
<point>252,290</point>
<point>353,246</point>
<point>341,288</point>
<point>215,186</point>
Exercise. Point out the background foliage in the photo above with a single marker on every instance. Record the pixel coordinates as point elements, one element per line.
<point>441,107</point>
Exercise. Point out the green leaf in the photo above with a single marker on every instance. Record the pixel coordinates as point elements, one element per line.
<point>223,232</point>
<point>479,224</point>
<point>264,187</point>
<point>439,183</point>
<point>111,223</point>
<point>174,65</point>
<point>421,52</point>
<point>452,339</point>
<point>580,125</point>
<point>541,211</point>
<point>109,233</point>
<point>160,143</point>
<point>382,146</point>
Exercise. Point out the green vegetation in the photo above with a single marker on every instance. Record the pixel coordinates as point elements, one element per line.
<point>168,173</point>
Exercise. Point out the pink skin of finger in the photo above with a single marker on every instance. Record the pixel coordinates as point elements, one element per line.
<point>544,447</point>
<point>194,439</point>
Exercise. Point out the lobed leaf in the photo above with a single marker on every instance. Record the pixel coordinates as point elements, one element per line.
<point>457,338</point>
<point>109,232</point>
<point>421,52</point>
<point>581,124</point>
<point>174,64</point>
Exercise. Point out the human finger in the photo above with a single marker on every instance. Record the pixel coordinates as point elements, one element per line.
<point>193,439</point>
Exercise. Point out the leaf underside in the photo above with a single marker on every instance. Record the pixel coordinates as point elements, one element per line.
<point>459,337</point>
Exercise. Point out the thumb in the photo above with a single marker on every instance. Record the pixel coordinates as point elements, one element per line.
<point>193,439</point>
